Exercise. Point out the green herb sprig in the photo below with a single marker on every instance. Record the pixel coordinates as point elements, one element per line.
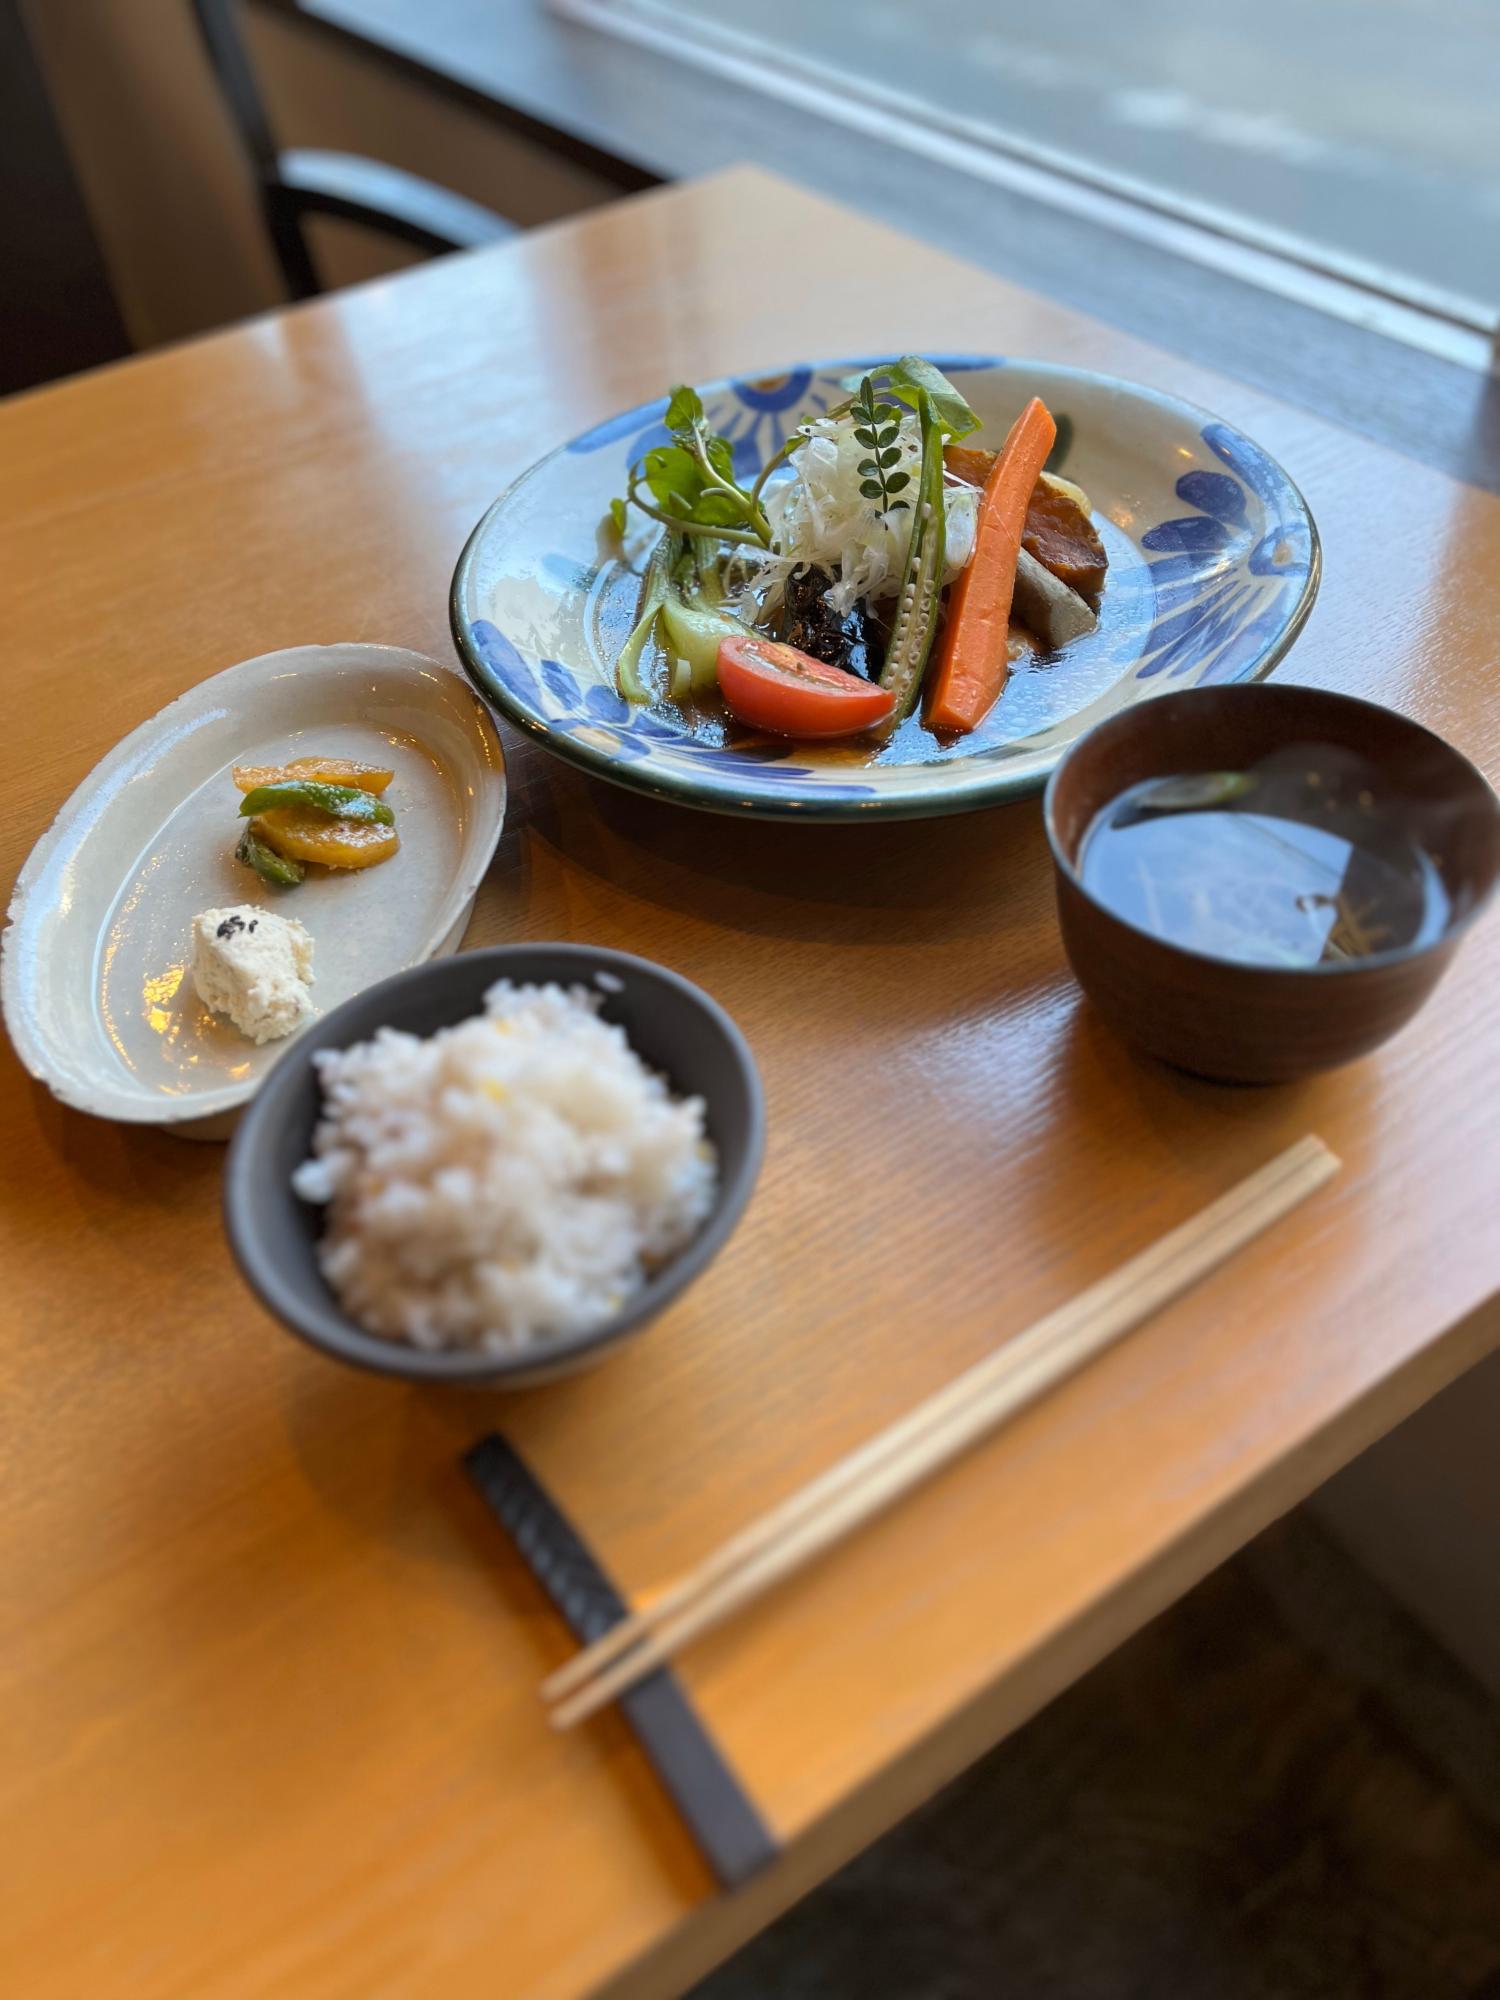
<point>689,484</point>
<point>908,378</point>
<point>877,430</point>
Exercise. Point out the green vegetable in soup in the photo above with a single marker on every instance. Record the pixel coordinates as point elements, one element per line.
<point>1194,791</point>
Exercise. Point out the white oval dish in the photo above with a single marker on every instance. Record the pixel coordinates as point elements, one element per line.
<point>94,974</point>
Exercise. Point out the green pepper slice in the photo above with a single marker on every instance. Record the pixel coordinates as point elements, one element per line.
<point>270,866</point>
<point>338,801</point>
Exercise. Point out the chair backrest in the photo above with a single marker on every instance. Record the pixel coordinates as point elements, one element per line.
<point>233,71</point>
<point>218,25</point>
<point>295,182</point>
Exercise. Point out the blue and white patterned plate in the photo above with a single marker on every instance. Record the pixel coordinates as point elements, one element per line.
<point>1213,570</point>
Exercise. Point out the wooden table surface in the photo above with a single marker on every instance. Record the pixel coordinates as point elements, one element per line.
<point>269,1670</point>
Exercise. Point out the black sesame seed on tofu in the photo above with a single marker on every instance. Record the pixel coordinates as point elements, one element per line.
<point>230,926</point>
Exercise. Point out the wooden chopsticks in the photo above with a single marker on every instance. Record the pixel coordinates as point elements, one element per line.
<point>929,1437</point>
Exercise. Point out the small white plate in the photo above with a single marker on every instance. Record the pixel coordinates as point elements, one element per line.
<point>95,979</point>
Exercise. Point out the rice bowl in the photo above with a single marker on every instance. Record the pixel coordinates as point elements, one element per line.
<point>505,1183</point>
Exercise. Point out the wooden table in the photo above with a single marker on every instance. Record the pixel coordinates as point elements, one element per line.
<point>269,1669</point>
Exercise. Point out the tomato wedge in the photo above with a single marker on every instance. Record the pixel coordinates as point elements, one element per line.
<point>789,693</point>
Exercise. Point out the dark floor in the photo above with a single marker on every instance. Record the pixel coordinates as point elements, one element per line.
<point>1281,1790</point>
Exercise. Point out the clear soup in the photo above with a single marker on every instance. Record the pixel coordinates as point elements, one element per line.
<point>1293,862</point>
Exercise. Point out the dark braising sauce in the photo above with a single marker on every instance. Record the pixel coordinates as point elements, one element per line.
<point>1294,862</point>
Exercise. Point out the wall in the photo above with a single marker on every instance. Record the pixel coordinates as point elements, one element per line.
<point>1421,1512</point>
<point>156,161</point>
<point>168,191</point>
<point>57,311</point>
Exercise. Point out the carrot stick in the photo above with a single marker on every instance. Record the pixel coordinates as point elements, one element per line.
<point>972,663</point>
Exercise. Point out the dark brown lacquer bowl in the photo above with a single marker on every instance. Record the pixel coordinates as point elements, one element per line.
<point>1249,1023</point>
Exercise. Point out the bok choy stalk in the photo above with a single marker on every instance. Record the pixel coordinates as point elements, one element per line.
<point>684,593</point>
<point>655,584</point>
<point>919,600</point>
<point>695,629</point>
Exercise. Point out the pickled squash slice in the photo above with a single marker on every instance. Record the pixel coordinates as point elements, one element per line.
<point>323,770</point>
<point>319,826</point>
<point>300,833</point>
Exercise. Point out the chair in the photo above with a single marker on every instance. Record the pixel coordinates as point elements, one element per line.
<point>296,182</point>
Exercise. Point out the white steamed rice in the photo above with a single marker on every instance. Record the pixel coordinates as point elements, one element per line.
<point>504,1182</point>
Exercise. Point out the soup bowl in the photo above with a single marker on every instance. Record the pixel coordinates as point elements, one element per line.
<point>674,1027</point>
<point>1256,1023</point>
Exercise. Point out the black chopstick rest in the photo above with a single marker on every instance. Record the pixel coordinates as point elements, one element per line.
<point>717,1811</point>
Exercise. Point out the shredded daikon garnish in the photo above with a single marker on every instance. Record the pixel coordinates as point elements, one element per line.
<point>819,518</point>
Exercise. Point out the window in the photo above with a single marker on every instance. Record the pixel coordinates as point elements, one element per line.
<point>1355,142</point>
